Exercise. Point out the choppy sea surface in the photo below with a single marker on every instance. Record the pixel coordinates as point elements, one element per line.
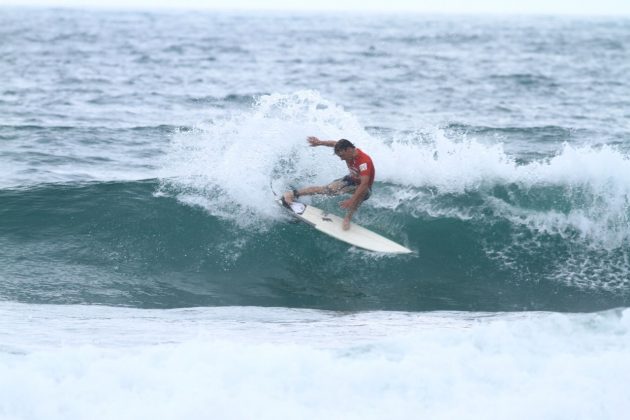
<point>146,271</point>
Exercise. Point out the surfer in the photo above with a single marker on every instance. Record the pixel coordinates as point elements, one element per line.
<point>358,182</point>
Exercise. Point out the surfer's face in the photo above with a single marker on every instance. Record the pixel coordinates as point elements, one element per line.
<point>344,154</point>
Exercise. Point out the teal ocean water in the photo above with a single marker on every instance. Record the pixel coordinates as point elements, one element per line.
<point>121,244</point>
<point>139,156</point>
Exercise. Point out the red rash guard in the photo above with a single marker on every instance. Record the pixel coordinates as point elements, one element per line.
<point>360,166</point>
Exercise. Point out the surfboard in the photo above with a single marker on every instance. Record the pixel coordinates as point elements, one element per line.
<point>332,225</point>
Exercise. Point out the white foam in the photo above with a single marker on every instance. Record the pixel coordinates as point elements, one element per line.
<point>432,160</point>
<point>232,162</point>
<point>593,182</point>
<point>92,362</point>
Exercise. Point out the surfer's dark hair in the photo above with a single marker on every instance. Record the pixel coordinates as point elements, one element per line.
<point>343,144</point>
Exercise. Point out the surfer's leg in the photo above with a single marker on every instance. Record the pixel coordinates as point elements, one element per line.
<point>289,196</point>
<point>334,188</point>
<point>350,186</point>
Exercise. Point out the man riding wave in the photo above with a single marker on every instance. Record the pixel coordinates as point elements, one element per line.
<point>358,182</point>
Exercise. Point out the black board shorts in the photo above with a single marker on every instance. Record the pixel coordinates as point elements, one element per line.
<point>350,185</point>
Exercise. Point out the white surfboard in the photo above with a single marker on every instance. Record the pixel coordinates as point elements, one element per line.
<point>332,225</point>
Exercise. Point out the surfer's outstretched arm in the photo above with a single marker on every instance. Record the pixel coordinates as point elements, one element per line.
<point>314,141</point>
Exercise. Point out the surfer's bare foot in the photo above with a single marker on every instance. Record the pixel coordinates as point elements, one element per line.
<point>288,197</point>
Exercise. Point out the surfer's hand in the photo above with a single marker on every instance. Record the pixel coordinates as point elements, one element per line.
<point>314,141</point>
<point>346,223</point>
<point>346,204</point>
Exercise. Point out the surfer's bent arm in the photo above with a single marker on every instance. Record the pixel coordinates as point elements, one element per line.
<point>314,141</point>
<point>357,198</point>
<point>353,202</point>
